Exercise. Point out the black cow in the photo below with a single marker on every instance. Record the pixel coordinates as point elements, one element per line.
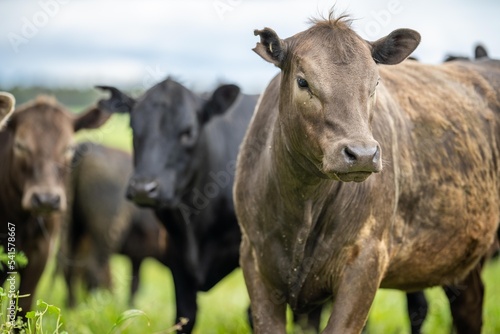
<point>185,151</point>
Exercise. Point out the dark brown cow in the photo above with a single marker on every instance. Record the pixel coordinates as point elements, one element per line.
<point>35,153</point>
<point>7,103</point>
<point>465,299</point>
<point>427,218</point>
<point>100,221</point>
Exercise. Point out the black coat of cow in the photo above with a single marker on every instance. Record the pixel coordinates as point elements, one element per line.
<point>185,150</point>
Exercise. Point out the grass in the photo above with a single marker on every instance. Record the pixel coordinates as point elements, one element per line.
<point>115,133</point>
<point>223,309</point>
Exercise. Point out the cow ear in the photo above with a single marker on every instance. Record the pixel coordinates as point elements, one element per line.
<point>270,47</point>
<point>220,101</point>
<point>7,103</point>
<point>480,52</point>
<point>118,102</point>
<point>91,119</point>
<point>395,47</point>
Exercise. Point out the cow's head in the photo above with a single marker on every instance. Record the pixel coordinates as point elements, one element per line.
<point>329,77</point>
<point>7,103</point>
<point>40,137</point>
<point>167,124</point>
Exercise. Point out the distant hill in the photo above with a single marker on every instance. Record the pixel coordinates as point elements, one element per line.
<point>74,99</point>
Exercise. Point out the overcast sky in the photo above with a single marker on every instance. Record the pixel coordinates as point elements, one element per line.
<point>80,43</point>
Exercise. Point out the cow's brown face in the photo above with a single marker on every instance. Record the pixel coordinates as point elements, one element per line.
<point>328,82</point>
<point>41,152</point>
<point>329,100</point>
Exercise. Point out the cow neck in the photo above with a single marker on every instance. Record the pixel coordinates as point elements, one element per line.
<point>185,223</point>
<point>292,178</point>
<point>304,196</point>
<point>201,167</point>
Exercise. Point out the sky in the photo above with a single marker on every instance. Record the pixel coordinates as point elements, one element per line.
<point>132,43</point>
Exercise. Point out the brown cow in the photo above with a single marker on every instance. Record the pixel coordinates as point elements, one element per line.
<point>465,299</point>
<point>100,221</point>
<point>427,218</point>
<point>7,103</point>
<point>36,149</point>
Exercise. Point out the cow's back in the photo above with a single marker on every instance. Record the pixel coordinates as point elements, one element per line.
<point>438,126</point>
<point>102,176</point>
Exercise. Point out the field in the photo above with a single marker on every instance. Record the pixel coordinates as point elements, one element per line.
<point>223,309</point>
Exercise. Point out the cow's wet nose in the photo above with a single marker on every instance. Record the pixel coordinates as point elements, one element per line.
<point>143,192</point>
<point>362,157</point>
<point>46,201</point>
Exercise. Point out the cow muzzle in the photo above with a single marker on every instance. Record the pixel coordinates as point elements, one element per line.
<point>353,161</point>
<point>143,192</point>
<point>44,201</point>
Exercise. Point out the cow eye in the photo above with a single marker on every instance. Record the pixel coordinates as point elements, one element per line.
<point>302,82</point>
<point>21,148</point>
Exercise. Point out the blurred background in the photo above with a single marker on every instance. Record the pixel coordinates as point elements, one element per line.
<point>134,44</point>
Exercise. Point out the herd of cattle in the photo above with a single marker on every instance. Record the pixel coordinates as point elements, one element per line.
<point>355,169</point>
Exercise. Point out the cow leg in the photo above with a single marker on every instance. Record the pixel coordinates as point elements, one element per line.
<point>356,290</point>
<point>68,271</point>
<point>30,275</point>
<point>268,307</point>
<point>134,285</point>
<point>309,322</point>
<point>185,297</point>
<point>417,310</point>
<point>466,303</point>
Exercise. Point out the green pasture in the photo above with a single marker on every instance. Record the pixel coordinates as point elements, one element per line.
<point>115,132</point>
<point>223,309</point>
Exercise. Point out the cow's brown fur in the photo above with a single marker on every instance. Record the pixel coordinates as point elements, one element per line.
<point>35,151</point>
<point>425,220</point>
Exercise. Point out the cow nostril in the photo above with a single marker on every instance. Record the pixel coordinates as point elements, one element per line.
<point>361,156</point>
<point>349,154</point>
<point>36,200</point>
<point>151,187</point>
<point>376,156</point>
<point>56,201</point>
